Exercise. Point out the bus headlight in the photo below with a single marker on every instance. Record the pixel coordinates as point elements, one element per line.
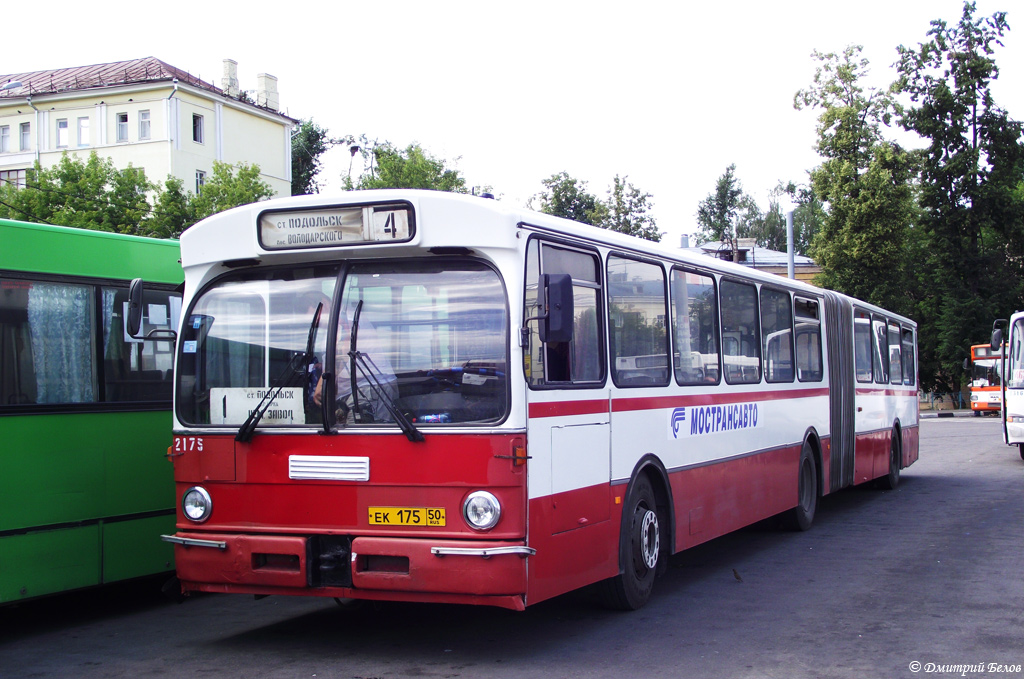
<point>481,510</point>
<point>196,504</point>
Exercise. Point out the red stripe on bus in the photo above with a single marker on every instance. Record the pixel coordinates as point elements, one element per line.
<point>865,391</point>
<point>655,402</point>
<point>566,408</point>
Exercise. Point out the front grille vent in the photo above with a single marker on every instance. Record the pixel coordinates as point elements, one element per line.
<point>325,468</point>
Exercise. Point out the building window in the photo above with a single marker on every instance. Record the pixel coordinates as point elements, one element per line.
<point>200,180</point>
<point>13,177</point>
<point>62,133</point>
<point>5,138</point>
<point>122,127</point>
<point>197,128</point>
<point>83,131</point>
<point>26,136</point>
<point>143,124</point>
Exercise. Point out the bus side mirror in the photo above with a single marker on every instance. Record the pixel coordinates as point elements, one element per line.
<point>967,364</point>
<point>997,336</point>
<point>135,308</point>
<point>556,325</point>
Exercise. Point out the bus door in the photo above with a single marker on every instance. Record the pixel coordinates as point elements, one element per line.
<point>569,419</point>
<point>1013,401</point>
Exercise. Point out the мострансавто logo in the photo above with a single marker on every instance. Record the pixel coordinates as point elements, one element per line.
<point>713,419</point>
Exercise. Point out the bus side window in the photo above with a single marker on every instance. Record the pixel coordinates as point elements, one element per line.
<point>880,350</point>
<point>808,341</point>
<point>895,360</point>
<point>862,345</point>
<point>777,335</point>
<point>740,336</point>
<point>909,371</point>
<point>581,359</point>
<point>638,338</point>
<point>695,328</point>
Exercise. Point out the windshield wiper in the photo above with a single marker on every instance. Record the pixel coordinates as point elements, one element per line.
<point>291,375</point>
<point>364,365</point>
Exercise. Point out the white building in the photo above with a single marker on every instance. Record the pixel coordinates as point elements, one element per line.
<point>145,113</point>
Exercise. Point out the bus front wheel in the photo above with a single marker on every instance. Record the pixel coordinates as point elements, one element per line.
<point>1020,447</point>
<point>631,589</point>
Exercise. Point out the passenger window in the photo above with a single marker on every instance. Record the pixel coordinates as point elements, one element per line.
<point>862,345</point>
<point>909,370</point>
<point>638,337</point>
<point>777,335</point>
<point>47,343</point>
<point>880,350</point>
<point>895,362</point>
<point>808,341</point>
<point>695,328</point>
<point>740,337</point>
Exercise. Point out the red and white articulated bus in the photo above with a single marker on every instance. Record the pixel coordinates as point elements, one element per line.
<point>421,396</point>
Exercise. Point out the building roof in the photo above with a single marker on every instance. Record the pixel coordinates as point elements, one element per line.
<point>114,74</point>
<point>751,254</point>
<point>77,78</point>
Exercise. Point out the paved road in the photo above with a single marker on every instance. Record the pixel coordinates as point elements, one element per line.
<point>930,573</point>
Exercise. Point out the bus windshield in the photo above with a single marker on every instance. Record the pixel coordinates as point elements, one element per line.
<point>432,339</point>
<point>985,373</point>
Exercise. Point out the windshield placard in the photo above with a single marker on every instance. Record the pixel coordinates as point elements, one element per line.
<point>332,227</point>
<point>233,405</point>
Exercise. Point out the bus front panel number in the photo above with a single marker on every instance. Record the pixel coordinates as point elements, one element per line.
<point>188,444</point>
<point>407,516</point>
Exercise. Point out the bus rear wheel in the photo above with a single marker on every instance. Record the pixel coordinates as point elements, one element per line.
<point>892,479</point>
<point>631,589</point>
<point>802,516</point>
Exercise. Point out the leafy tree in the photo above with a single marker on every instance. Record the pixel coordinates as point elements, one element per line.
<point>566,196</point>
<point>309,143</point>
<point>970,186</point>
<point>410,168</point>
<point>808,213</point>
<point>224,189</point>
<point>88,194</point>
<point>717,214</point>
<point>173,211</point>
<point>864,180</point>
<point>627,210</point>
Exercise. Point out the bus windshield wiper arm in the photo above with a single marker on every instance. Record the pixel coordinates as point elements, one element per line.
<point>365,366</point>
<point>288,378</point>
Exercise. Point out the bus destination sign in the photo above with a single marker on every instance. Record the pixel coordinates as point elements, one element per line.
<point>331,227</point>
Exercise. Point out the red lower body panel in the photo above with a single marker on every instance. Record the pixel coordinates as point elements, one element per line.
<point>381,568</point>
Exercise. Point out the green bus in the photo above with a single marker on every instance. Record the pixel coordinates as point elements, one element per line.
<point>85,423</point>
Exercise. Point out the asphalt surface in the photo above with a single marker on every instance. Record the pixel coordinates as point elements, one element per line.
<point>926,577</point>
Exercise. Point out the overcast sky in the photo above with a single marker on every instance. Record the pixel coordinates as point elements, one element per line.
<point>668,93</point>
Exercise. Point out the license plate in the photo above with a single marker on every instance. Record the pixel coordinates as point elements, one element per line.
<point>407,516</point>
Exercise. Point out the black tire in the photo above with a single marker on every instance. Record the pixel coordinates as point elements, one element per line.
<point>641,525</point>
<point>1020,447</point>
<point>892,479</point>
<point>801,517</point>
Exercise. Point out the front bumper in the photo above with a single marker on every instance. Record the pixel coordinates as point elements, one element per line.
<point>414,569</point>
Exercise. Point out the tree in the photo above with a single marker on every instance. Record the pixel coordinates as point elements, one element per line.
<point>173,211</point>
<point>627,210</point>
<point>89,194</point>
<point>864,180</point>
<point>309,143</point>
<point>567,197</point>
<point>225,189</point>
<point>411,168</point>
<point>717,213</point>
<point>969,178</point>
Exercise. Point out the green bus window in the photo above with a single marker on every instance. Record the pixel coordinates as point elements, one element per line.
<point>47,343</point>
